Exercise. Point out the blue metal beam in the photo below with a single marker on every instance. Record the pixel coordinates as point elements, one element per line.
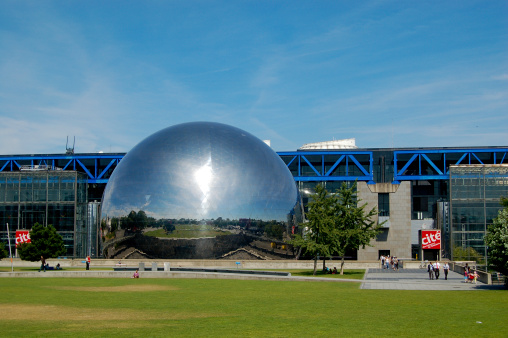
<point>113,161</point>
<point>462,156</point>
<point>431,164</point>
<point>362,160</point>
<point>85,169</point>
<point>329,172</point>
<point>412,165</point>
<point>331,178</point>
<point>95,172</point>
<point>312,167</point>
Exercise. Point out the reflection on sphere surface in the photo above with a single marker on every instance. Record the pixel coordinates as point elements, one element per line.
<point>200,173</point>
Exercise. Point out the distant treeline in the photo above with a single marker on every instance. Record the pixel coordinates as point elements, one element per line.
<point>136,221</point>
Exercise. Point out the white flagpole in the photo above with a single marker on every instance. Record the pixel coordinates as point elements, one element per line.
<point>10,252</point>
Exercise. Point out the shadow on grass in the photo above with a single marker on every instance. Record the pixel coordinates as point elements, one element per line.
<point>34,269</point>
<point>348,274</point>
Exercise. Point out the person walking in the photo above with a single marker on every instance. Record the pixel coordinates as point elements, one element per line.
<point>436,269</point>
<point>88,260</point>
<point>446,268</point>
<point>430,270</point>
<point>43,264</point>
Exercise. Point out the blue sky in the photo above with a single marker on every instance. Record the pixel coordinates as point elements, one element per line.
<point>388,73</point>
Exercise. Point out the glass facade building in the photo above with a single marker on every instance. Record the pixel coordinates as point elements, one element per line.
<point>53,197</point>
<point>475,192</point>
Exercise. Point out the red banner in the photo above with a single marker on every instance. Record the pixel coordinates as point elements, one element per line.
<point>431,239</point>
<point>22,236</point>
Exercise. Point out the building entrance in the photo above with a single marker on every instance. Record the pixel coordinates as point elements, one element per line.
<point>385,253</point>
<point>431,254</point>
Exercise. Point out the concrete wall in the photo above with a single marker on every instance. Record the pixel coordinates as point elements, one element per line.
<point>419,224</point>
<point>398,240</point>
<point>200,248</point>
<point>196,263</point>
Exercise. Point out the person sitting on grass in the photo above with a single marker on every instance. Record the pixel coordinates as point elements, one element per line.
<point>136,274</point>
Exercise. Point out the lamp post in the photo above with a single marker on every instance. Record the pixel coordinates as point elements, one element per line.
<point>10,251</point>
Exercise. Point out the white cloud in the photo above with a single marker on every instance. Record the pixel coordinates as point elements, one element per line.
<point>501,77</point>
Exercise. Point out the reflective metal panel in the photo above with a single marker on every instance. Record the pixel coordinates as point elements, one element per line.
<point>200,173</point>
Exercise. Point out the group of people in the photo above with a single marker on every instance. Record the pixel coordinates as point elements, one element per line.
<point>330,271</point>
<point>45,266</point>
<point>469,276</point>
<point>388,262</point>
<point>433,270</point>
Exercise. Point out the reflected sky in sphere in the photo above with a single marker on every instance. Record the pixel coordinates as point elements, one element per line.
<point>202,171</point>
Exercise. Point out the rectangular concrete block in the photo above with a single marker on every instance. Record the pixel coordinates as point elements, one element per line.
<point>154,266</point>
<point>141,266</point>
<point>166,266</point>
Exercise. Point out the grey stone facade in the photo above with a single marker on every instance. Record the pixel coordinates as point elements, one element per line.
<point>397,237</point>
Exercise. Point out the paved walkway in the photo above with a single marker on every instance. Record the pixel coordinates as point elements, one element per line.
<point>418,279</point>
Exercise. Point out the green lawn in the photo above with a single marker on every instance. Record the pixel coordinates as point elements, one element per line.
<point>188,231</point>
<point>232,308</point>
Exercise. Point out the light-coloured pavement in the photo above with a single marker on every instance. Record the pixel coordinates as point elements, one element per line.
<point>418,279</point>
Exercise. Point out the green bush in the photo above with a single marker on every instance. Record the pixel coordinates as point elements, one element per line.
<point>45,241</point>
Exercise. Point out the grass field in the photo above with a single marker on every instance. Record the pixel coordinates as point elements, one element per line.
<point>227,308</point>
<point>188,231</point>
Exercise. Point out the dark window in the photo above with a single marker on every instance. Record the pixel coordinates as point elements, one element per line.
<point>382,236</point>
<point>383,202</point>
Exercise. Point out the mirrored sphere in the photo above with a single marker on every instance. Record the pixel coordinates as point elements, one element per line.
<point>193,181</point>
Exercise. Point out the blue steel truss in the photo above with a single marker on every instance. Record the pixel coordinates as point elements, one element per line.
<point>305,166</point>
<point>308,166</point>
<point>410,165</point>
<point>318,166</point>
<point>98,167</point>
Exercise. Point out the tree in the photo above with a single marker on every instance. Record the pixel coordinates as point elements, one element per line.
<point>3,251</point>
<point>136,221</point>
<point>45,241</point>
<point>315,239</point>
<point>168,226</point>
<point>467,254</point>
<point>496,240</point>
<point>504,202</point>
<point>274,230</point>
<point>354,226</point>
<point>337,224</point>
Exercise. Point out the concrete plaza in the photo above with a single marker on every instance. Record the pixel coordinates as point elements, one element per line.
<point>418,279</point>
